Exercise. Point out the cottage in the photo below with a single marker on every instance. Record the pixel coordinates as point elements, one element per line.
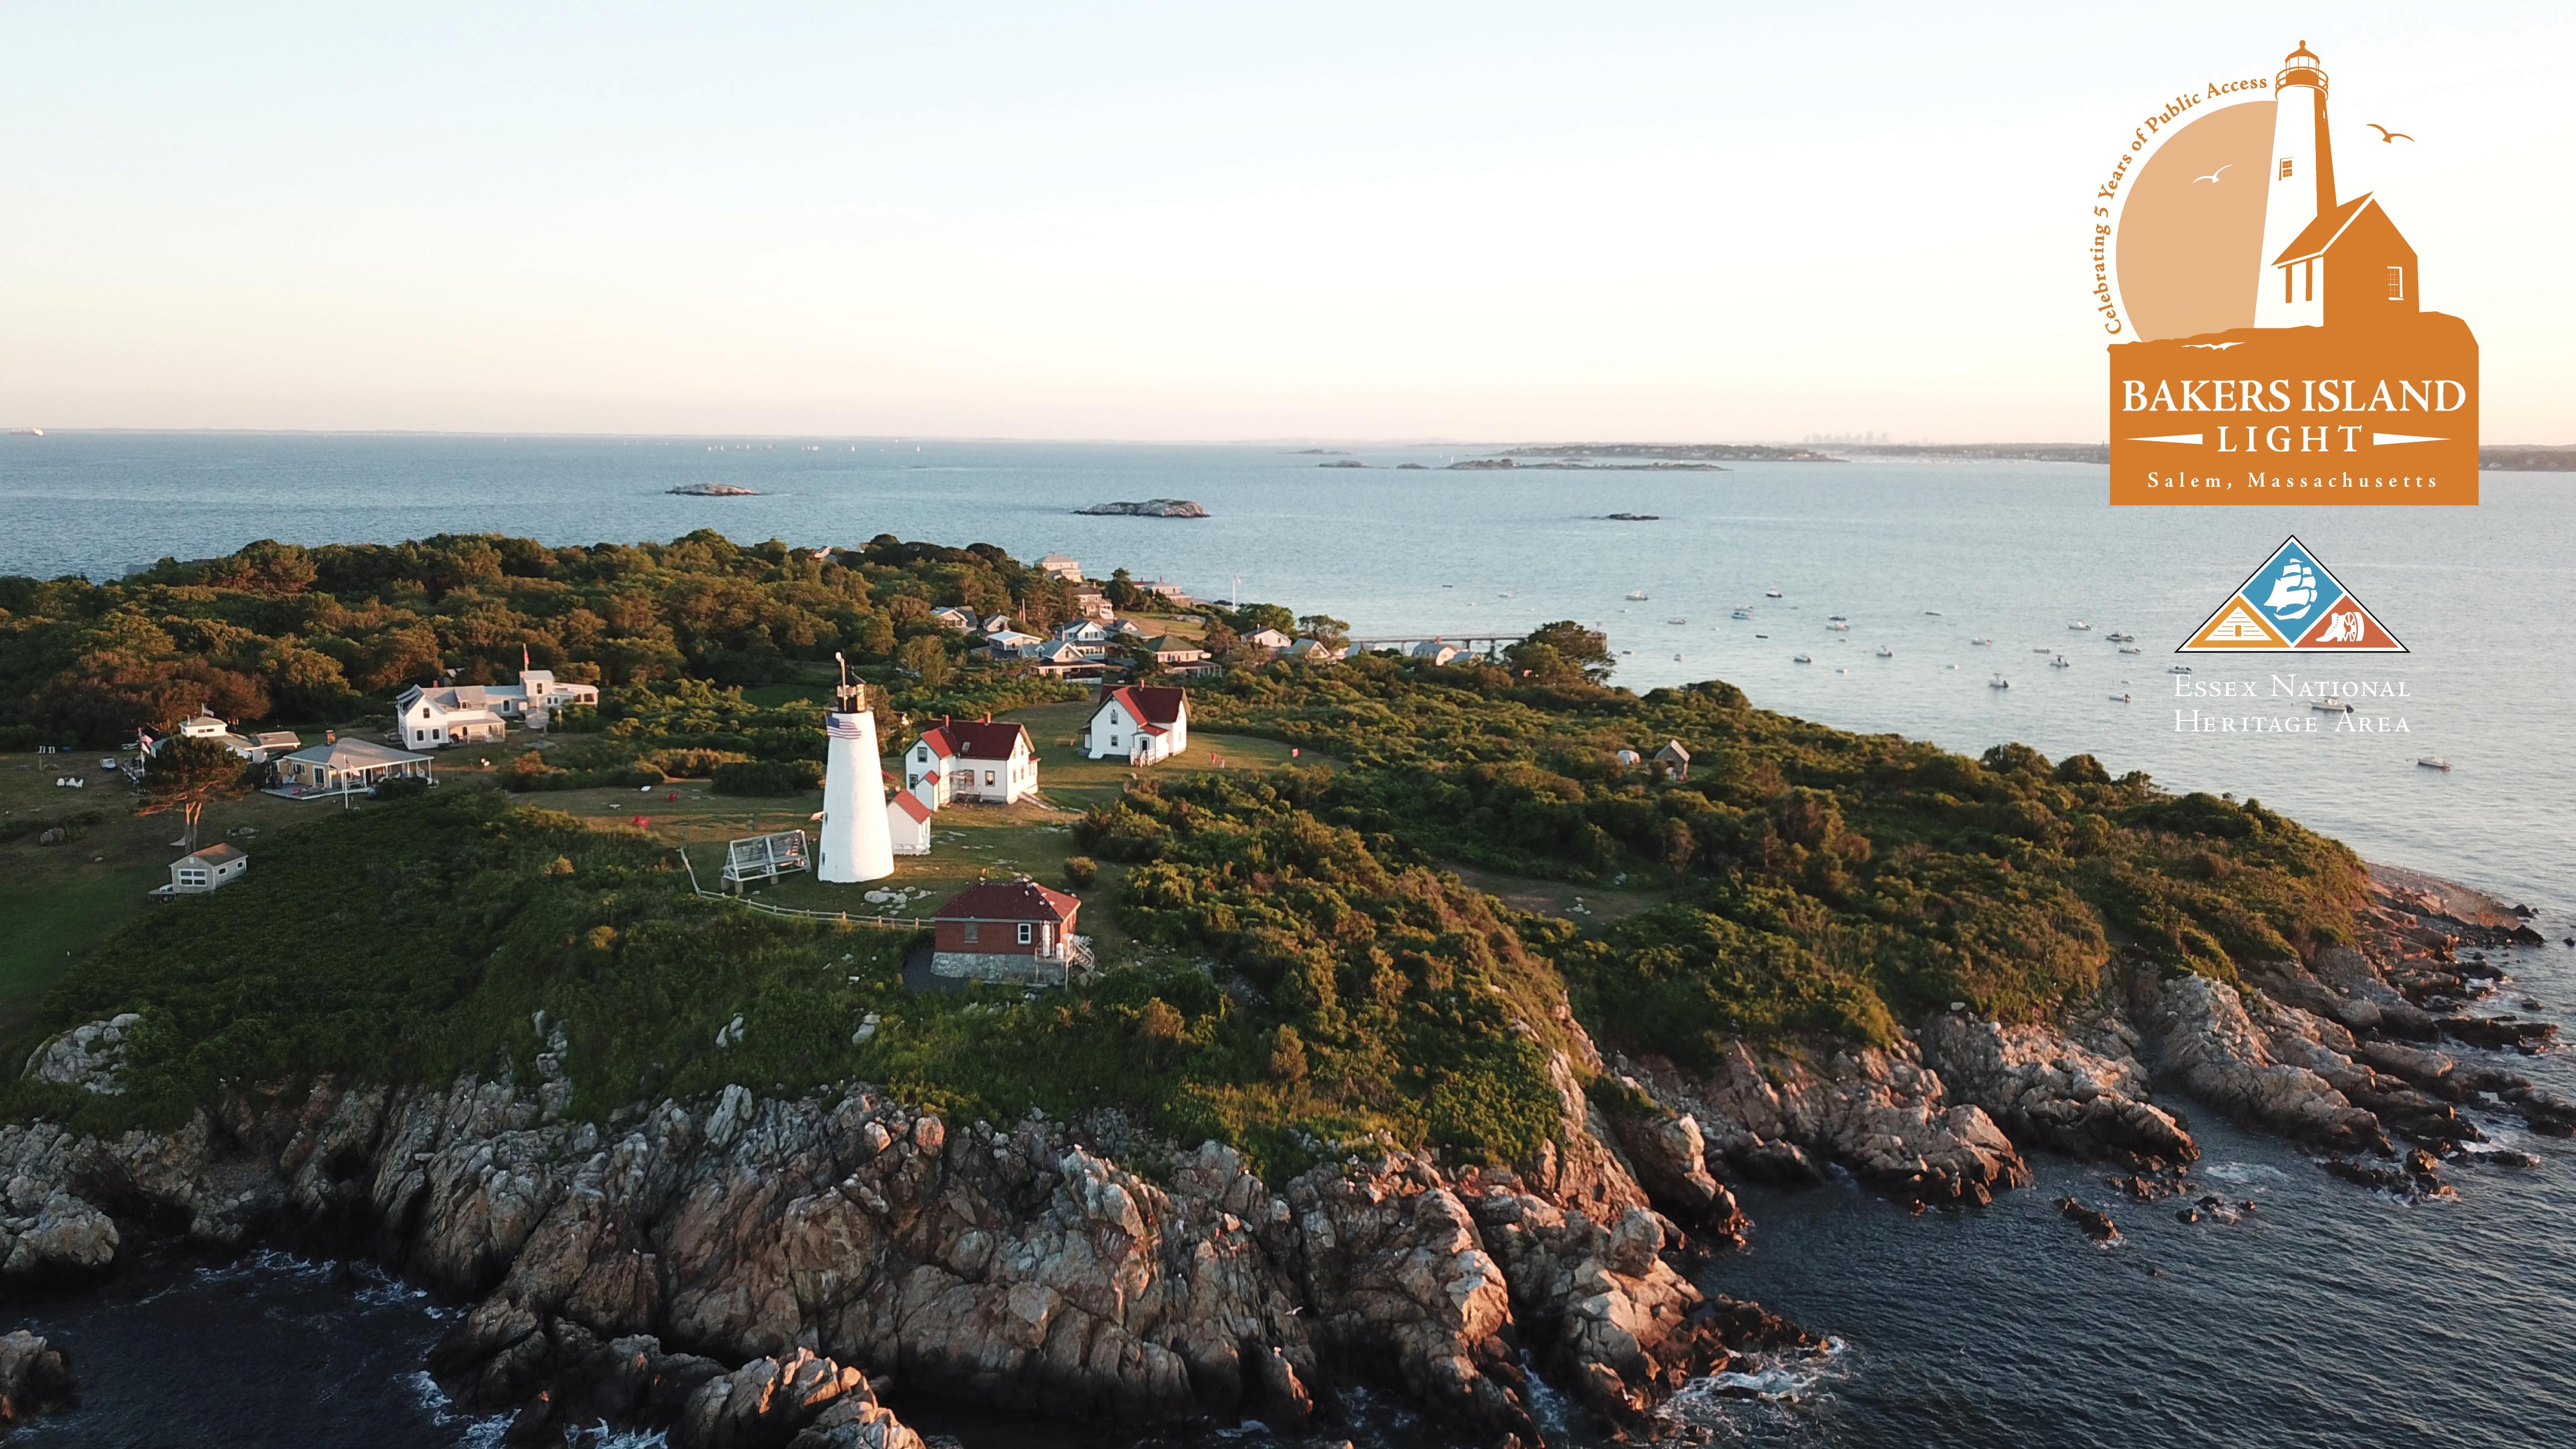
<point>997,624</point>
<point>1171,650</point>
<point>908,823</point>
<point>1316,650</point>
<point>1060,658</point>
<point>266,745</point>
<point>1129,629</point>
<point>1012,644</point>
<point>205,870</point>
<point>960,619</point>
<point>1057,566</point>
<point>979,760</point>
<point>1093,604</point>
<point>1170,593</point>
<point>1675,759</point>
<point>1270,639</point>
<point>1083,631</point>
<point>438,716</point>
<point>339,766</point>
<point>1435,651</point>
<point>1014,930</point>
<point>1138,723</point>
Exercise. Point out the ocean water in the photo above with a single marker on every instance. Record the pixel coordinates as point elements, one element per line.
<point>2334,1316</point>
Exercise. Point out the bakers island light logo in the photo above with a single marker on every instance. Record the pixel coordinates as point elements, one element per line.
<point>2272,340</point>
<point>2292,602</point>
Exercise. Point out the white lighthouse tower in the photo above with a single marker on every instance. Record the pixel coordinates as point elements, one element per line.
<point>2299,177</point>
<point>854,845</point>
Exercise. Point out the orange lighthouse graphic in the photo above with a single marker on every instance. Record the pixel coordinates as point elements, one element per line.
<point>2284,352</point>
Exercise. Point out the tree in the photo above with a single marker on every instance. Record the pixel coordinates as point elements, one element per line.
<point>183,774</point>
<point>925,658</point>
<point>1562,653</point>
<point>1124,594</point>
<point>1324,629</point>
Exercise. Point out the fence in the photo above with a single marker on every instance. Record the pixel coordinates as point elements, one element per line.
<point>891,923</point>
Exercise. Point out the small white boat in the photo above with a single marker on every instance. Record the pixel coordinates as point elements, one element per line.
<point>1677,659</point>
<point>1743,614</point>
<point>1886,653</point>
<point>2179,669</point>
<point>1998,682</point>
<point>1800,659</point>
<point>2434,762</point>
<point>1770,593</point>
<point>2333,706</point>
<point>2131,649</point>
<point>1839,628</point>
<point>1636,596</point>
<point>2080,627</point>
<point>1981,641</point>
<point>1677,620</point>
<point>2119,699</point>
<point>2059,663</point>
<point>1842,671</point>
<point>2122,638</point>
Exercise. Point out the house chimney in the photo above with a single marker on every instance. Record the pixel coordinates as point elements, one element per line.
<point>330,737</point>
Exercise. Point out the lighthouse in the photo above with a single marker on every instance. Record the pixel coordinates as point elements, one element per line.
<point>2299,181</point>
<point>854,845</point>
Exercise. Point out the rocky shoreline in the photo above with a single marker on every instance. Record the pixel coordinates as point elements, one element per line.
<point>756,1270</point>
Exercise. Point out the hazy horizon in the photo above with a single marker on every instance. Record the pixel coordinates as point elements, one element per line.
<point>1158,223</point>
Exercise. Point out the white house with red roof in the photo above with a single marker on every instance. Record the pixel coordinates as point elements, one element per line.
<point>1138,723</point>
<point>908,823</point>
<point>982,760</point>
<point>1008,930</point>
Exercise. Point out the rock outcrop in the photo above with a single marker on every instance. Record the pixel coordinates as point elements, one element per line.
<point>2224,1060</point>
<point>35,1378</point>
<point>90,1056</point>
<point>2046,1090</point>
<point>1877,1111</point>
<point>1153,508</point>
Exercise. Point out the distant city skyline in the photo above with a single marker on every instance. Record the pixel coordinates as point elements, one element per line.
<point>1162,222</point>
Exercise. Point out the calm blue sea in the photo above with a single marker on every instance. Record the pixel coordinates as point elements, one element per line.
<point>2337,1318</point>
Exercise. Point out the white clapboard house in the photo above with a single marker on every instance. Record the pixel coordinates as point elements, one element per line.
<point>439,715</point>
<point>982,760</point>
<point>1138,723</point>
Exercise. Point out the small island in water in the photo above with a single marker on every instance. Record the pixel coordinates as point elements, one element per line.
<point>714,490</point>
<point>1150,508</point>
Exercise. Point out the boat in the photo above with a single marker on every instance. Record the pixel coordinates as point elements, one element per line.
<point>1998,682</point>
<point>2119,699</point>
<point>1800,659</point>
<point>1834,618</point>
<point>1743,614</point>
<point>2123,638</point>
<point>2042,649</point>
<point>2059,663</point>
<point>2333,706</point>
<point>2179,669</point>
<point>1761,636</point>
<point>1770,593</point>
<point>1839,628</point>
<point>1981,641</point>
<point>2131,649</point>
<point>1931,613</point>
<point>1677,620</point>
<point>1886,653</point>
<point>2080,627</point>
<point>2433,762</point>
<point>1636,596</point>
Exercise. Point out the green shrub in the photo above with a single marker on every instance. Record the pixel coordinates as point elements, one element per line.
<point>768,777</point>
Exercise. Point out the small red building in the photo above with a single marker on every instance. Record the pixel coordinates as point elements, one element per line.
<point>1008,930</point>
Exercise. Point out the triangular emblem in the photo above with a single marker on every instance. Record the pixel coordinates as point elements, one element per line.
<point>2237,625</point>
<point>2293,602</point>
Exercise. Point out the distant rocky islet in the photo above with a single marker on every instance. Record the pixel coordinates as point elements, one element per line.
<point>1148,508</point>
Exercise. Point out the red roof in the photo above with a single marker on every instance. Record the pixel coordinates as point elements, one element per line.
<point>910,804</point>
<point>2323,232</point>
<point>1149,704</point>
<point>1009,900</point>
<point>974,739</point>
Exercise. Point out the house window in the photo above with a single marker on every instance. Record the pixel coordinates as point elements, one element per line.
<point>2286,294</point>
<point>1025,929</point>
<point>2396,284</point>
<point>970,933</point>
<point>2285,168</point>
<point>988,777</point>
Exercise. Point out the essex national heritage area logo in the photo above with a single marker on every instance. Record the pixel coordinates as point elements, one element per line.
<point>2271,342</point>
<point>2292,602</point>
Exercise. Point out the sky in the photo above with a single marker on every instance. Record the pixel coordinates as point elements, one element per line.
<point>1487,221</point>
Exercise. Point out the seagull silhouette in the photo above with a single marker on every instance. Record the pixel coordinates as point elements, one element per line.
<point>2386,135</point>
<point>2214,175</point>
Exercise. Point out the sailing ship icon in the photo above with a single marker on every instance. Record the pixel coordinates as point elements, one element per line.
<point>2297,585</point>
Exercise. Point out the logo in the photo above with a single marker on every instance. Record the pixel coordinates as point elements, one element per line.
<point>2271,336</point>
<point>2292,602</point>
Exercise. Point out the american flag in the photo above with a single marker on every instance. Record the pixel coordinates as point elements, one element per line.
<point>842,726</point>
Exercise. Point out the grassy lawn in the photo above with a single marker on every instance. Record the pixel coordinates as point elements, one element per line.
<point>61,900</point>
<point>1560,898</point>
